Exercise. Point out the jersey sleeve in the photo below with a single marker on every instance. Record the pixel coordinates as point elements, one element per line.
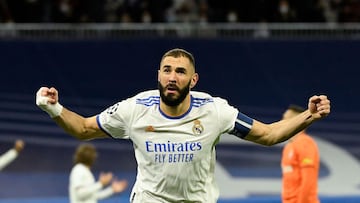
<point>7,158</point>
<point>243,125</point>
<point>231,120</point>
<point>115,119</point>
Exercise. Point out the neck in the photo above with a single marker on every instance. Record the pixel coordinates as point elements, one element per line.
<point>174,111</point>
<point>297,135</point>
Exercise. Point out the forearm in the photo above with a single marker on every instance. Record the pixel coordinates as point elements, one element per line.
<point>76,125</point>
<point>285,129</point>
<point>85,191</point>
<point>107,192</point>
<point>318,108</point>
<point>7,158</point>
<point>279,131</point>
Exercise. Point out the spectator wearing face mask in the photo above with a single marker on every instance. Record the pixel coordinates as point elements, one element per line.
<point>285,13</point>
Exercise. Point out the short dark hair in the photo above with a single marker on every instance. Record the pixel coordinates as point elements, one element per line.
<point>296,108</point>
<point>177,52</point>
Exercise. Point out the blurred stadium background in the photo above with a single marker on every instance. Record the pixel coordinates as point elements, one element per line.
<point>99,52</point>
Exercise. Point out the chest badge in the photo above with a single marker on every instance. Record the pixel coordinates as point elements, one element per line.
<point>197,128</point>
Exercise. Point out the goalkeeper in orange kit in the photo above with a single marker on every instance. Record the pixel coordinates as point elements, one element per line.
<point>300,165</point>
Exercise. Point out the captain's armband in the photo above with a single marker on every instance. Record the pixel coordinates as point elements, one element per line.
<point>242,126</point>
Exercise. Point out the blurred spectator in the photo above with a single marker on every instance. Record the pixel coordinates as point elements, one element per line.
<point>65,11</point>
<point>232,16</point>
<point>330,14</point>
<point>203,11</point>
<point>12,154</point>
<point>194,11</point>
<point>285,13</point>
<point>183,11</point>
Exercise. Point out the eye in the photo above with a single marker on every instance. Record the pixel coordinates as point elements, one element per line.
<point>181,71</point>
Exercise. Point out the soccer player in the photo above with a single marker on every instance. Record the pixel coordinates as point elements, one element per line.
<point>82,187</point>
<point>174,131</point>
<point>12,154</point>
<point>300,165</point>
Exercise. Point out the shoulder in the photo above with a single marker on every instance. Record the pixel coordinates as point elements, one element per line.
<point>147,98</point>
<point>79,167</point>
<point>78,170</point>
<point>203,96</point>
<point>200,94</point>
<point>147,93</point>
<point>305,140</point>
<point>144,97</point>
<point>201,99</point>
<point>305,137</point>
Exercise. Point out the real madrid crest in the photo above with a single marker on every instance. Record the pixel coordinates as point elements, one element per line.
<point>197,128</point>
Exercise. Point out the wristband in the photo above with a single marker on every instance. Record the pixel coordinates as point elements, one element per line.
<point>54,110</point>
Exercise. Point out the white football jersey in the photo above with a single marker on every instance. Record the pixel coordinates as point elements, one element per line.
<point>175,155</point>
<point>83,188</point>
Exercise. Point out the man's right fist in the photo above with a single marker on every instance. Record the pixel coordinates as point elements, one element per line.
<point>47,100</point>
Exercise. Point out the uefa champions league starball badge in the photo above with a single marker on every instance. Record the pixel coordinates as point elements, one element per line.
<point>197,128</point>
<point>112,109</point>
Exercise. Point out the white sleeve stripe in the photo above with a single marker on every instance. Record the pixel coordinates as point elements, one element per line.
<point>243,123</point>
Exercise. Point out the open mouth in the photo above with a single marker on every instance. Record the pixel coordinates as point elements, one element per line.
<point>171,88</point>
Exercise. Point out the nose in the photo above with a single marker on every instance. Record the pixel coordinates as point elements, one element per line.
<point>172,77</point>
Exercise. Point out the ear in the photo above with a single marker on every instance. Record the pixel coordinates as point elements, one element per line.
<point>194,80</point>
<point>158,76</point>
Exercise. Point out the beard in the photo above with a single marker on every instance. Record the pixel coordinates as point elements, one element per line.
<point>170,99</point>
